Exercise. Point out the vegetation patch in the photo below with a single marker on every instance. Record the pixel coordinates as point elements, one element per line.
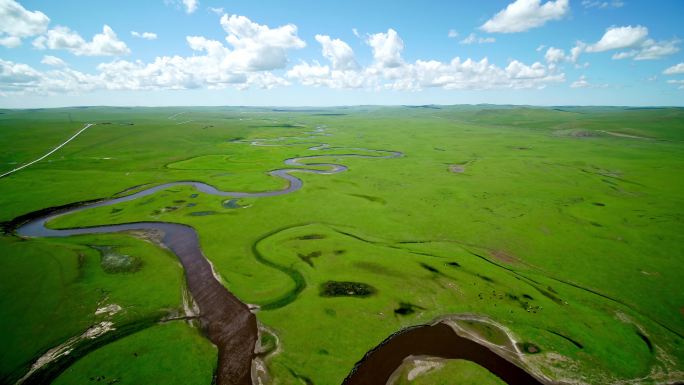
<point>406,308</point>
<point>529,347</point>
<point>232,204</point>
<point>346,289</point>
<point>429,268</point>
<point>308,257</point>
<point>201,213</point>
<point>114,262</point>
<point>268,342</point>
<point>311,237</point>
<point>369,198</point>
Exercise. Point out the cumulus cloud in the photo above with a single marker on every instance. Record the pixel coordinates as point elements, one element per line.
<point>190,5</point>
<point>144,35</point>
<point>619,38</point>
<point>252,51</point>
<point>339,53</point>
<point>258,47</point>
<point>343,72</point>
<point>675,69</point>
<point>522,15</point>
<point>389,71</point>
<point>18,23</point>
<point>387,48</point>
<point>556,56</point>
<point>580,83</point>
<point>10,41</point>
<point>633,40</point>
<point>102,44</point>
<point>217,65</point>
<point>583,82</point>
<point>472,39</point>
<point>21,78</point>
<point>53,61</point>
<point>315,74</point>
<point>653,50</point>
<point>452,33</point>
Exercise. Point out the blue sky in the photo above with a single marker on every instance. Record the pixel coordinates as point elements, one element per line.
<point>296,53</point>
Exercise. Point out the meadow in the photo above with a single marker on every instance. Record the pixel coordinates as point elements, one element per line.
<point>561,226</point>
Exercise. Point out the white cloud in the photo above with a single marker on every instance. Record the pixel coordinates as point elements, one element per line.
<point>356,32</point>
<point>258,47</point>
<point>619,38</point>
<point>16,74</point>
<point>53,61</point>
<point>625,54</point>
<point>523,15</point>
<point>21,78</point>
<point>635,40</point>
<point>339,53</point>
<point>602,4</point>
<point>217,10</point>
<point>452,33</point>
<point>103,44</point>
<point>554,55</point>
<point>675,69</point>
<point>580,83</point>
<point>17,23</point>
<point>680,83</point>
<point>322,75</point>
<point>253,50</point>
<point>190,5</point>
<point>653,50</point>
<point>387,48</point>
<point>144,35</point>
<point>576,51</point>
<point>216,65</point>
<point>10,41</point>
<point>390,71</point>
<point>472,38</point>
<point>540,48</point>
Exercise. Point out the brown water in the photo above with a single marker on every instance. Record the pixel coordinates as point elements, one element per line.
<point>437,340</point>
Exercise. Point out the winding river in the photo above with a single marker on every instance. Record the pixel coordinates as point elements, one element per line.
<point>229,324</point>
<point>438,340</point>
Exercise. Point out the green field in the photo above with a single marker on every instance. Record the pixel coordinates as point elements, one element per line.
<point>563,225</point>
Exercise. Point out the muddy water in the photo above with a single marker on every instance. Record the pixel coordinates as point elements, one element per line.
<point>437,340</point>
<point>227,322</point>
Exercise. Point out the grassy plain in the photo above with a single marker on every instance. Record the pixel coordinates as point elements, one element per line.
<point>562,224</point>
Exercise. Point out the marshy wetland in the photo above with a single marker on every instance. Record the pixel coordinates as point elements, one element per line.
<point>359,245</point>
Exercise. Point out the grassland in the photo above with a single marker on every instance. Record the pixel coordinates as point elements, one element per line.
<point>562,224</point>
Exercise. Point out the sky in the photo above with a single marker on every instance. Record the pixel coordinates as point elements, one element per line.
<point>324,53</point>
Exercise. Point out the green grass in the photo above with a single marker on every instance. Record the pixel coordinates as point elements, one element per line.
<point>549,205</point>
<point>51,290</point>
<point>172,353</point>
<point>448,372</point>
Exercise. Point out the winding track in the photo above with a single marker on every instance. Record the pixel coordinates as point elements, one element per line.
<point>228,322</point>
<point>50,152</point>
